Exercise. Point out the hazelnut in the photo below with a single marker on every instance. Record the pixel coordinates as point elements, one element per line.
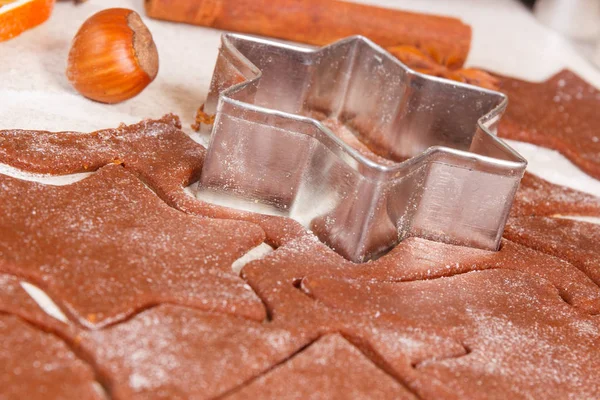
<point>112,56</point>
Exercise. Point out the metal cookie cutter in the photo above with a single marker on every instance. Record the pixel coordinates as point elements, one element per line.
<point>356,146</point>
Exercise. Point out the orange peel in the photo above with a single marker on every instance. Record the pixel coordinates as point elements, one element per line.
<point>17,16</point>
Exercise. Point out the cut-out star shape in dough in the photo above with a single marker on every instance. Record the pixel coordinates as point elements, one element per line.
<point>104,247</point>
<point>172,352</point>
<point>157,151</point>
<point>520,335</point>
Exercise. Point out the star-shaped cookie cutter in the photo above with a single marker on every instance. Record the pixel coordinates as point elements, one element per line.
<point>419,155</point>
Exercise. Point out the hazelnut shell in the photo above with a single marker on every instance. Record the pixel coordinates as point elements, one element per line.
<point>113,56</point>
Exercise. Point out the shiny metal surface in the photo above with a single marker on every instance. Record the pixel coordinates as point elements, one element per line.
<point>419,155</point>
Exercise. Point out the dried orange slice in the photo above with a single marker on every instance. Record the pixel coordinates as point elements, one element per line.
<point>17,16</point>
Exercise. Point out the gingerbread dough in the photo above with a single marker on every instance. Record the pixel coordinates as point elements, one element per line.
<point>560,113</point>
<point>35,363</point>
<point>416,322</point>
<point>38,365</point>
<point>523,340</point>
<point>167,159</point>
<point>157,151</point>
<point>574,241</point>
<point>107,246</point>
<point>330,368</point>
<point>537,196</point>
<point>15,300</point>
<point>412,259</point>
<point>171,352</point>
<point>397,343</point>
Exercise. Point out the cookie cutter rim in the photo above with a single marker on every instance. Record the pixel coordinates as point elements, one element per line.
<point>224,96</point>
<point>505,158</point>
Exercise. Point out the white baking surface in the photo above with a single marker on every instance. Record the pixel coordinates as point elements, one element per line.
<point>35,94</point>
<point>256,253</point>
<point>40,297</point>
<point>46,179</point>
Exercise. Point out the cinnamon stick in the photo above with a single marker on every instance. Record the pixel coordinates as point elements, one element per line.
<point>319,22</point>
<point>417,60</point>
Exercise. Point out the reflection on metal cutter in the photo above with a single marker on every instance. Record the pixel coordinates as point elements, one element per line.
<point>420,155</point>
